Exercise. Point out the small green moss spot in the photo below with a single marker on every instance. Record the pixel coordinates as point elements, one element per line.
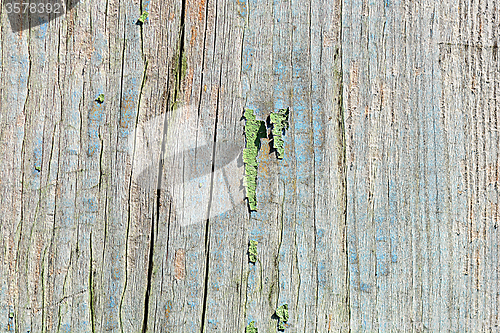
<point>143,17</point>
<point>251,328</point>
<point>184,66</point>
<point>254,131</point>
<point>252,251</point>
<point>174,105</point>
<point>279,121</point>
<point>38,168</point>
<point>282,313</point>
<point>100,98</point>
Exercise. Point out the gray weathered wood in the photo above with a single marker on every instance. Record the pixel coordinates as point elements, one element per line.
<point>130,215</point>
<point>112,219</point>
<point>420,85</point>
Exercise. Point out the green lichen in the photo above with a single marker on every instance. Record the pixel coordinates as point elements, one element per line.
<point>100,98</point>
<point>254,131</point>
<point>143,17</point>
<point>252,251</point>
<point>251,328</point>
<point>279,122</point>
<point>38,168</point>
<point>282,313</point>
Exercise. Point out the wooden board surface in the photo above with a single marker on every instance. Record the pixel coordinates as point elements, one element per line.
<point>130,215</point>
<point>420,86</point>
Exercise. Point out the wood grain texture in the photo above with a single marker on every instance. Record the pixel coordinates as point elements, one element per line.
<point>129,215</point>
<point>420,85</point>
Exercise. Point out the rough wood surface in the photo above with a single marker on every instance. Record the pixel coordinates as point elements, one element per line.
<point>130,215</point>
<point>420,97</point>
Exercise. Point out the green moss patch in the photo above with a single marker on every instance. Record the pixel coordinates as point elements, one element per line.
<point>282,313</point>
<point>279,123</point>
<point>184,66</point>
<point>252,251</point>
<point>143,17</point>
<point>254,131</point>
<point>251,328</point>
<point>100,98</point>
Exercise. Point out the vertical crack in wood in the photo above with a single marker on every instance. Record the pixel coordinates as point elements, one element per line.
<point>91,287</point>
<point>150,266</point>
<point>203,56</point>
<point>129,200</point>
<point>344,167</point>
<point>207,229</point>
<point>116,152</point>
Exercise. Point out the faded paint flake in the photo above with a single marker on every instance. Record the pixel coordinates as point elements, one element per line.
<point>180,264</point>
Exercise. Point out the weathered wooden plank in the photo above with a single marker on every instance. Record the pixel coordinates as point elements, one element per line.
<point>160,42</point>
<point>227,246</point>
<point>292,78</point>
<point>14,95</point>
<point>128,214</point>
<point>62,277</point>
<point>421,157</point>
<point>329,167</point>
<point>177,293</point>
<point>204,112</point>
<point>469,62</point>
<point>198,295</point>
<point>303,310</point>
<point>265,224</point>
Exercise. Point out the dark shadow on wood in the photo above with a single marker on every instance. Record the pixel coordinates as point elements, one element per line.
<point>26,14</point>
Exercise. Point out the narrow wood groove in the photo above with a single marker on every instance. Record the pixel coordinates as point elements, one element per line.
<point>154,219</point>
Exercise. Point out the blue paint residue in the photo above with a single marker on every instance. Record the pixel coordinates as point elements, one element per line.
<point>365,287</point>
